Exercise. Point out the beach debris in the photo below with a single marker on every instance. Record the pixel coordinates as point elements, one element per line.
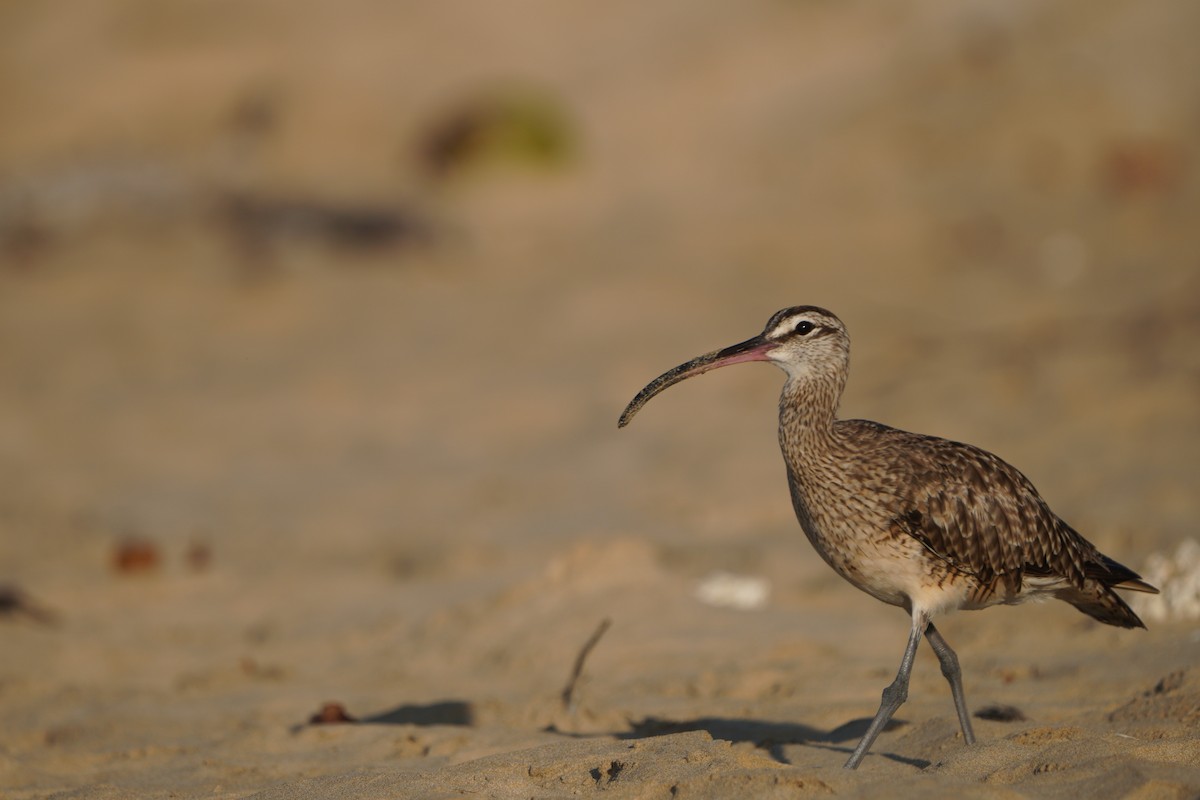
<point>135,555</point>
<point>1142,167</point>
<point>198,557</point>
<point>568,692</point>
<point>259,222</point>
<point>332,714</point>
<point>16,602</point>
<point>509,125</point>
<point>727,590</point>
<point>1178,577</point>
<point>41,209</point>
<point>1001,713</point>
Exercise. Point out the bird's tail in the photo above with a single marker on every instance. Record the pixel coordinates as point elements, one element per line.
<point>1097,598</point>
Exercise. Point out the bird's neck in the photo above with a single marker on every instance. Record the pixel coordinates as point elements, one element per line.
<point>807,411</point>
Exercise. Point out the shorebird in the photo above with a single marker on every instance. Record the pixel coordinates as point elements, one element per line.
<point>916,521</point>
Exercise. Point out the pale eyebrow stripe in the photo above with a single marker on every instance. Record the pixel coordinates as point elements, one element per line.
<point>787,326</point>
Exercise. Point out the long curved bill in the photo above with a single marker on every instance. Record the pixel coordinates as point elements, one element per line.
<point>755,349</point>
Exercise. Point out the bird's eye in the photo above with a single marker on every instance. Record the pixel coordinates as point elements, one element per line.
<point>804,328</point>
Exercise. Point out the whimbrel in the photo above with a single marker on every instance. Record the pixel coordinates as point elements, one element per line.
<point>919,522</point>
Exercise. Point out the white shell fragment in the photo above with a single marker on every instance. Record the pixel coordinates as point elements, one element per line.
<point>1177,576</point>
<point>727,590</point>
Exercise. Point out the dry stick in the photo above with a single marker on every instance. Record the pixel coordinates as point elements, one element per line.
<point>568,692</point>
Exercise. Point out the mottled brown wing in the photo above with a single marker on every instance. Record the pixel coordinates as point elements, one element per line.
<point>984,517</point>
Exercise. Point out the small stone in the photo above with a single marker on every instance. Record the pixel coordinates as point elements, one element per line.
<point>331,713</point>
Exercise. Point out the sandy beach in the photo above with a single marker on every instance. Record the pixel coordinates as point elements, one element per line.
<point>316,322</point>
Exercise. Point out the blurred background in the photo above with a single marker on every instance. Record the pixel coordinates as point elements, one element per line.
<point>388,271</point>
<point>300,289</point>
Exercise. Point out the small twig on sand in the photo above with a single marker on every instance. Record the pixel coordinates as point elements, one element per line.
<point>568,692</point>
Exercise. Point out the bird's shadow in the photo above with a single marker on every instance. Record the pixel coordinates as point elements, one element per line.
<point>771,737</point>
<point>445,712</point>
<point>768,736</point>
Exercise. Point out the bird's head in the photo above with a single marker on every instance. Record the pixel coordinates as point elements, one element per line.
<point>806,342</point>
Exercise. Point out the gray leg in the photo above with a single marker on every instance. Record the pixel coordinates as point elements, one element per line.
<point>953,673</point>
<point>894,695</point>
